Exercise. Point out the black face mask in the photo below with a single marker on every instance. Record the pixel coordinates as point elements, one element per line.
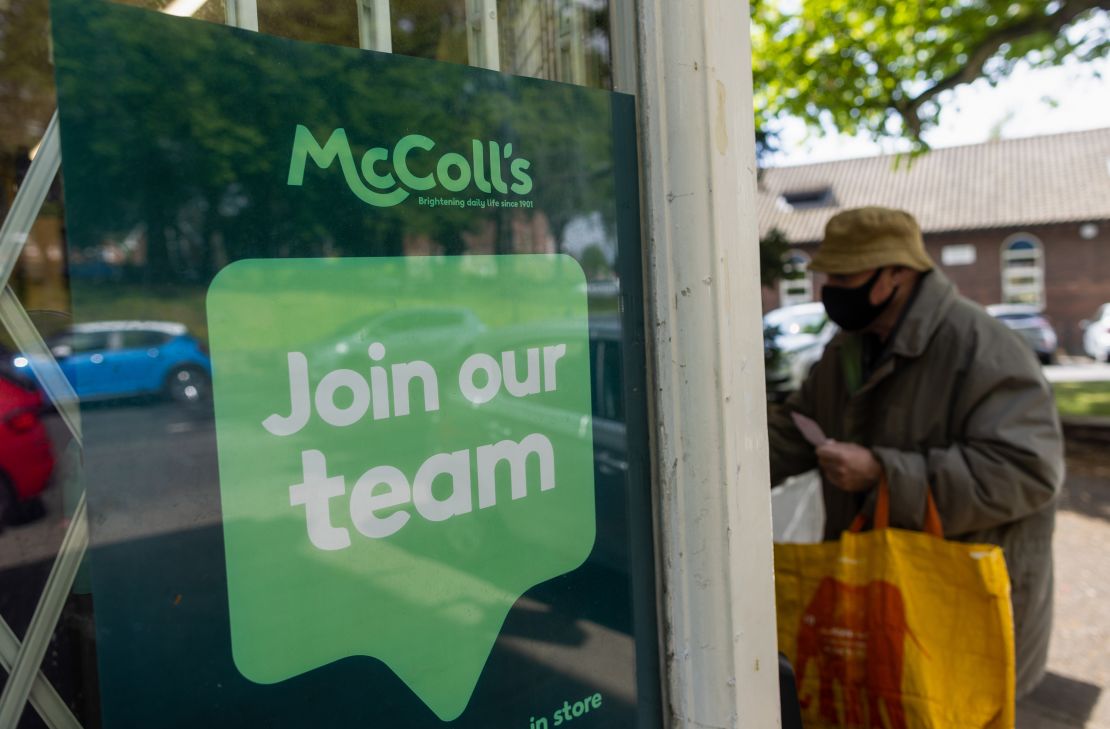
<point>851,308</point>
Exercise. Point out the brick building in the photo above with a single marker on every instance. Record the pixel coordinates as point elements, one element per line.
<point>1020,220</point>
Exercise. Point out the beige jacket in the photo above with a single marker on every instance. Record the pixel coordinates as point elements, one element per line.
<point>961,407</point>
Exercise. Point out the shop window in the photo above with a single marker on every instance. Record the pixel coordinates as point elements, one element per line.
<point>560,40</point>
<point>155,255</point>
<point>796,285</point>
<point>1023,271</point>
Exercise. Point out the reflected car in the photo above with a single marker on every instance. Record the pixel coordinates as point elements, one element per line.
<point>406,332</point>
<point>1029,323</point>
<point>26,457</point>
<point>1096,334</point>
<point>119,359</point>
<point>794,338</point>
<point>506,415</point>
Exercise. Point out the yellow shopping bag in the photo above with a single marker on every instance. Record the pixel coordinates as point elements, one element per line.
<point>896,629</point>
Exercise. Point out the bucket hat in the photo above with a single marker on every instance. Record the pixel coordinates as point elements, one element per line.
<point>860,239</point>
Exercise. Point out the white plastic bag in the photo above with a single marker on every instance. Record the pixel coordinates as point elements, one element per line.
<point>798,510</point>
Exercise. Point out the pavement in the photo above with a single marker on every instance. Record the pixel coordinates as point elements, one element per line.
<point>1078,371</point>
<point>1076,692</point>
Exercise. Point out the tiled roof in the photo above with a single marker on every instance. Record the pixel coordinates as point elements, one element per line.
<point>1016,182</point>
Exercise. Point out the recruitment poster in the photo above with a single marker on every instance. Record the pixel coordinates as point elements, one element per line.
<point>389,468</point>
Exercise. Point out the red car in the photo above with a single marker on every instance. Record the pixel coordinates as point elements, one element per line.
<point>26,456</point>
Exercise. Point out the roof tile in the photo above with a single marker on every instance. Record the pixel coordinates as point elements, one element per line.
<point>1016,182</point>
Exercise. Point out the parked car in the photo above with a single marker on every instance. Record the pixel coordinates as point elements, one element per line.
<point>26,456</point>
<point>794,337</point>
<point>1096,334</point>
<point>1029,323</point>
<point>116,359</point>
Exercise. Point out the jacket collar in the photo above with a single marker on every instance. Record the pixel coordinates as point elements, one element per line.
<point>928,309</point>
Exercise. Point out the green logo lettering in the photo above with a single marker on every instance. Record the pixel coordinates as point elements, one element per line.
<point>452,171</point>
<point>305,145</point>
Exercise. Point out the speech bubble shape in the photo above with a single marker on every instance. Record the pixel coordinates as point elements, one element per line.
<point>371,504</point>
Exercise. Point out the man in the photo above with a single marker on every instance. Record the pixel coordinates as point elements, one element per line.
<point>924,387</point>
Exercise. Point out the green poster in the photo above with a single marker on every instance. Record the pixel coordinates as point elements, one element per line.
<point>405,482</point>
<point>422,469</point>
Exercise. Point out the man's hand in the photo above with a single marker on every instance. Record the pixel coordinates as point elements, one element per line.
<point>848,466</point>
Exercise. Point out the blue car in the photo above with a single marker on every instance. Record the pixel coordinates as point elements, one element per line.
<point>116,359</point>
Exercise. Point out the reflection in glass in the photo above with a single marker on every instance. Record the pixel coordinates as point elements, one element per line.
<point>558,40</point>
<point>26,454</point>
<point>434,29</point>
<point>26,90</point>
<point>333,22</point>
<point>214,11</point>
<point>180,186</point>
<point>39,471</point>
<point>120,359</point>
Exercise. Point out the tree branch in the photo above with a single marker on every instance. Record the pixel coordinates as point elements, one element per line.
<point>1069,10</point>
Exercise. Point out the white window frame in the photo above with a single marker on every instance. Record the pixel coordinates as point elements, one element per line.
<point>697,140</point>
<point>1015,288</point>
<point>796,290</point>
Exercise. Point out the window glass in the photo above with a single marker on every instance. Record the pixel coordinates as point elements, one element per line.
<point>214,11</point>
<point>560,40</point>
<point>612,374</point>
<point>796,286</point>
<point>81,342</point>
<point>430,29</point>
<point>26,90</point>
<point>331,22</point>
<point>136,339</point>
<point>170,181</point>
<point>1023,272</point>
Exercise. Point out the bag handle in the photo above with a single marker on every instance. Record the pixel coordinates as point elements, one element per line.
<point>932,524</point>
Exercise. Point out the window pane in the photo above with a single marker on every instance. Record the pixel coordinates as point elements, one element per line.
<point>430,29</point>
<point>214,11</point>
<point>331,22</point>
<point>612,405</point>
<point>26,90</point>
<point>560,40</point>
<point>142,339</point>
<point>178,169</point>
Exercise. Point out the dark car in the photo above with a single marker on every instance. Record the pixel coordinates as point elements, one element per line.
<point>1029,323</point>
<point>116,359</point>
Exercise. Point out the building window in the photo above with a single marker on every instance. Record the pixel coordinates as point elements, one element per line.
<point>796,285</point>
<point>821,197</point>
<point>1023,270</point>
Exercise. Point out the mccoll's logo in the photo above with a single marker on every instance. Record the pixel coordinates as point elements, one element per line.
<point>387,179</point>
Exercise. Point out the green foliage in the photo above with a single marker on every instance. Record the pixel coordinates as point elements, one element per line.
<point>882,66</point>
<point>772,249</point>
<point>198,144</point>
<point>595,263</point>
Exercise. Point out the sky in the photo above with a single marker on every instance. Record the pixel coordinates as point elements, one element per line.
<point>1031,102</point>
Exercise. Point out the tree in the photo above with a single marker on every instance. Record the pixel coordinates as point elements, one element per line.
<point>883,66</point>
<point>772,252</point>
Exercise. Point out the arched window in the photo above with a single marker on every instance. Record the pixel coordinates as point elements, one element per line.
<point>796,285</point>
<point>1023,270</point>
